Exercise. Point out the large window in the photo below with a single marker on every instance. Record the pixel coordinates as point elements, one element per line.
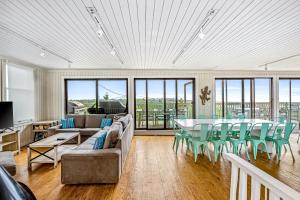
<point>20,90</point>
<point>251,96</point>
<point>96,96</point>
<point>289,98</point>
<point>159,101</point>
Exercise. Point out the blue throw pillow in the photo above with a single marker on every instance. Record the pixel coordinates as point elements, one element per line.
<point>99,143</point>
<point>106,122</point>
<point>67,123</point>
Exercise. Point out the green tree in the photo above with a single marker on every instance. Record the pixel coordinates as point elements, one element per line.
<point>106,97</point>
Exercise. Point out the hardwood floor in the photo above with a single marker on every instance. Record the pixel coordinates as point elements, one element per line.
<point>153,171</point>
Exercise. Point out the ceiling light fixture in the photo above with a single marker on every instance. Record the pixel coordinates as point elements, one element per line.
<point>198,33</point>
<point>102,33</point>
<point>113,52</point>
<point>43,54</point>
<point>34,44</point>
<point>201,34</point>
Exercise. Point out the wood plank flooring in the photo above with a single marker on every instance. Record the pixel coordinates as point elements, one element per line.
<point>153,171</point>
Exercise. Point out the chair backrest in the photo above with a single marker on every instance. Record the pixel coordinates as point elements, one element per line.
<point>281,119</point>
<point>224,130</point>
<point>288,129</point>
<point>201,116</point>
<point>264,130</point>
<point>215,116</point>
<point>244,127</point>
<point>229,115</point>
<point>202,131</point>
<point>241,116</point>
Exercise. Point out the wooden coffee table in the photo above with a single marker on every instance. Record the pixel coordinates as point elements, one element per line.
<point>54,148</point>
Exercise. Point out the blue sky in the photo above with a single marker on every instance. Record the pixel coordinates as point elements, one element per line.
<point>156,89</point>
<point>86,89</point>
<point>261,90</point>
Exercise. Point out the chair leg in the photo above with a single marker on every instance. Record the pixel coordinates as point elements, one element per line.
<point>174,142</point>
<point>226,147</point>
<point>246,149</point>
<point>291,152</point>
<point>216,151</point>
<point>285,148</point>
<point>206,147</point>
<point>254,146</point>
<point>298,138</point>
<point>187,143</point>
<point>279,146</point>
<point>182,142</point>
<point>195,152</point>
<point>264,143</point>
<point>177,143</point>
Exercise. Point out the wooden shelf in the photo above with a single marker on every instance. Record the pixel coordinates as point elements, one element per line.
<point>10,141</point>
<point>2,144</point>
<point>44,131</point>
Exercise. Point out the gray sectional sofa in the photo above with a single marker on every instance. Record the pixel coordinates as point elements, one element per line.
<point>83,165</point>
<point>87,125</point>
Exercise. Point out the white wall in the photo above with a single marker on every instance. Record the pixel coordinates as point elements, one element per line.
<point>54,95</point>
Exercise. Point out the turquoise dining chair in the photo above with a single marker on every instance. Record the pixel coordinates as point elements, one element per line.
<point>280,140</point>
<point>201,116</point>
<point>199,138</point>
<point>261,139</point>
<point>240,138</point>
<point>241,116</point>
<point>180,135</point>
<point>229,115</point>
<point>215,116</point>
<point>219,137</point>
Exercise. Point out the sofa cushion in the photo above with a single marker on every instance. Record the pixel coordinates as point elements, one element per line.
<point>124,121</point>
<point>99,133</point>
<point>90,140</point>
<point>79,120</point>
<point>7,160</point>
<point>64,130</point>
<point>89,131</point>
<point>85,147</point>
<point>106,122</point>
<point>67,123</point>
<point>112,135</point>
<point>99,143</point>
<point>93,120</point>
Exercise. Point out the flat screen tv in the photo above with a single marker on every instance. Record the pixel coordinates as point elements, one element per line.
<point>6,115</point>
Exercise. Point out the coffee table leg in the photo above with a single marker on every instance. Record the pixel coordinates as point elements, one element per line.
<point>28,158</point>
<point>79,139</point>
<point>55,156</point>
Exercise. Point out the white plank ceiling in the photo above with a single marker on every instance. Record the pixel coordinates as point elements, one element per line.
<point>148,34</point>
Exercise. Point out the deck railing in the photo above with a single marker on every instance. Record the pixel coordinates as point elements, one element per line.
<point>274,189</point>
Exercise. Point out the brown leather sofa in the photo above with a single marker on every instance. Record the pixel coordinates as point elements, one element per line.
<point>83,165</point>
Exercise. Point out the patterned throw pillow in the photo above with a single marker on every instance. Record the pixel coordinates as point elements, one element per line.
<point>106,122</point>
<point>99,143</point>
<point>67,123</point>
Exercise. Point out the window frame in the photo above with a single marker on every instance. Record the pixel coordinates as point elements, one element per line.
<point>176,99</point>
<point>290,95</point>
<point>97,89</point>
<point>252,94</point>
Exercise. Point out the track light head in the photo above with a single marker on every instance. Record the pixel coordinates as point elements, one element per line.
<point>113,52</point>
<point>43,54</point>
<point>99,32</point>
<point>201,34</point>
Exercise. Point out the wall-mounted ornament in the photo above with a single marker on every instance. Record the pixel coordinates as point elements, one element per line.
<point>204,96</point>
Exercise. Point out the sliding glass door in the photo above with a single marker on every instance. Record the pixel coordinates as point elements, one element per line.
<point>159,101</point>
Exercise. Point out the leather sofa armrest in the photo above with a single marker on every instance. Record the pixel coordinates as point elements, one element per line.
<point>91,166</point>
